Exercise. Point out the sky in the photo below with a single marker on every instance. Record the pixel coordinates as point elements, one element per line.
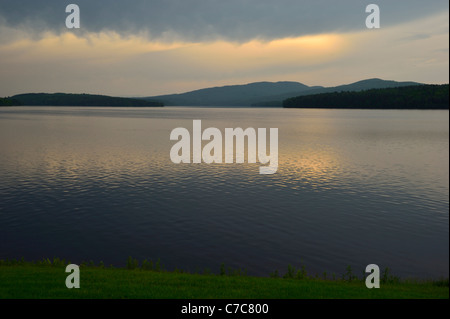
<point>153,47</point>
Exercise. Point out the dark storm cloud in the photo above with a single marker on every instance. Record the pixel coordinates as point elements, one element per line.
<point>194,20</point>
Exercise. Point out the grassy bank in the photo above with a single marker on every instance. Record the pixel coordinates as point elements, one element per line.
<point>47,280</point>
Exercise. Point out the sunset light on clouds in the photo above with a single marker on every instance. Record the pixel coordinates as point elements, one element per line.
<point>134,60</point>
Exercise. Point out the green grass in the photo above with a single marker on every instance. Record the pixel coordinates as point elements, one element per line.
<point>46,279</point>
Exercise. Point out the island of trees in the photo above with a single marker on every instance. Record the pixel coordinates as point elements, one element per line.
<point>63,99</point>
<point>407,97</point>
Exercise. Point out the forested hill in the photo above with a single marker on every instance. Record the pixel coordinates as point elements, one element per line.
<point>8,102</point>
<point>63,99</point>
<point>408,97</point>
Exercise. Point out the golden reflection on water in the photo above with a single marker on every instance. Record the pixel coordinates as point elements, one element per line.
<point>348,183</point>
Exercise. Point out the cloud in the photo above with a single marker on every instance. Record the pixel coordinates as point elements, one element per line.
<point>125,59</point>
<point>57,60</point>
<point>209,20</point>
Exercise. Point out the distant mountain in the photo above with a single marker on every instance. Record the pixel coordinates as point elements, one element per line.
<point>63,99</point>
<point>366,85</point>
<point>428,97</point>
<point>233,95</point>
<point>353,87</point>
<point>265,93</point>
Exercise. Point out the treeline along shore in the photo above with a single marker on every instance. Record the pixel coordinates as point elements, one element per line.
<point>9,102</point>
<point>64,99</point>
<point>428,97</point>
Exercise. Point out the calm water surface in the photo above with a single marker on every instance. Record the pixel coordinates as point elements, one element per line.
<point>353,187</point>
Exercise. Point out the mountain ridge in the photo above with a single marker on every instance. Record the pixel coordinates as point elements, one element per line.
<point>265,93</point>
<point>231,95</point>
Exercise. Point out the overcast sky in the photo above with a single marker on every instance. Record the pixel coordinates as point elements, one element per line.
<point>151,47</point>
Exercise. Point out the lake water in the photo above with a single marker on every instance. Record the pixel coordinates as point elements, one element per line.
<point>353,187</point>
